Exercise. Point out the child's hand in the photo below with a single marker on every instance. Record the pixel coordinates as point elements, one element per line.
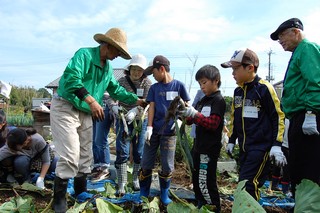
<point>189,111</point>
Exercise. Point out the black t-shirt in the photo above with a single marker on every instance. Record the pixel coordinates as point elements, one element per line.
<point>208,141</point>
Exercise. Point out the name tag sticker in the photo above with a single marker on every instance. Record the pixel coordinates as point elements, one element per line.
<point>206,111</point>
<point>171,95</point>
<point>139,92</point>
<point>250,112</point>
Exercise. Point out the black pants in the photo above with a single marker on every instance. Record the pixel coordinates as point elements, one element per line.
<point>304,152</point>
<point>204,178</point>
<point>276,170</point>
<point>254,167</point>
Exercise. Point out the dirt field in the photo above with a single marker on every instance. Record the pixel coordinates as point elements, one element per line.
<point>180,177</point>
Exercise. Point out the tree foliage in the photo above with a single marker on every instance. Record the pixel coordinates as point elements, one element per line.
<point>22,96</point>
<point>228,100</point>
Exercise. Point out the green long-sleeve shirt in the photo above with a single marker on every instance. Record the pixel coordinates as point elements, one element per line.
<point>301,87</point>
<point>84,70</point>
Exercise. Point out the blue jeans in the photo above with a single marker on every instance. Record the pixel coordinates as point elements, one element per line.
<point>123,144</point>
<point>22,164</point>
<point>167,152</point>
<point>100,145</point>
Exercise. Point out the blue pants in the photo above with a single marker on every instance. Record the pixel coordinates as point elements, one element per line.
<point>100,145</point>
<point>167,152</point>
<point>123,143</point>
<point>21,165</point>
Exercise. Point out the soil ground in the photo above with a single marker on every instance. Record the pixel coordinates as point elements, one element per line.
<point>180,177</point>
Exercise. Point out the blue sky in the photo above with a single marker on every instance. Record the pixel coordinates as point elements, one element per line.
<point>39,37</point>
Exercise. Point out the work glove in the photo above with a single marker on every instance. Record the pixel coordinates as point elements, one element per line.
<point>189,111</point>
<point>148,134</point>
<point>132,113</point>
<point>278,155</point>
<point>40,182</point>
<point>309,126</point>
<point>174,124</point>
<point>230,148</point>
<point>115,110</point>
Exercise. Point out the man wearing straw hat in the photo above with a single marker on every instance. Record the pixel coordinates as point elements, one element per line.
<point>79,96</point>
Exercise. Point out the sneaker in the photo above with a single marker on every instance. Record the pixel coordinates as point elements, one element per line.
<point>275,188</point>
<point>100,175</point>
<point>11,179</point>
<point>288,194</point>
<point>95,170</point>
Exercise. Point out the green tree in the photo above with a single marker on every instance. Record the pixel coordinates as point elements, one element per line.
<point>22,96</point>
<point>228,100</point>
<point>43,93</point>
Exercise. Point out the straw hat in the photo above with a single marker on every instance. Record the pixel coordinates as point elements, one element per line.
<point>117,38</point>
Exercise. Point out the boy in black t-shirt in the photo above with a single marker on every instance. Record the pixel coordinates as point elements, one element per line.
<point>208,115</point>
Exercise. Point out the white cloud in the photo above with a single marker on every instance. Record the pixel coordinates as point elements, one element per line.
<point>37,37</point>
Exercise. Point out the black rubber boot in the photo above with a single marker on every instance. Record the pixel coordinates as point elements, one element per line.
<point>275,183</point>
<point>59,195</point>
<point>80,184</point>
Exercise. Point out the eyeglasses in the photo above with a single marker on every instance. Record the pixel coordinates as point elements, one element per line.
<point>284,33</point>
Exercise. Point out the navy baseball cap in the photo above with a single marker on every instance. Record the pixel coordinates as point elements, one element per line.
<point>291,23</point>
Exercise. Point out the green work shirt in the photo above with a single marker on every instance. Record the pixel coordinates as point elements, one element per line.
<point>301,86</point>
<point>84,70</point>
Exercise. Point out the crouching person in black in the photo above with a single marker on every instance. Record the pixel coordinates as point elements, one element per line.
<point>25,152</point>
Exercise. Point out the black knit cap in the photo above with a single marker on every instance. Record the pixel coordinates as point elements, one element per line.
<point>290,23</point>
<point>17,136</point>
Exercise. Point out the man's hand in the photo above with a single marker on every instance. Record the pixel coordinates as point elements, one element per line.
<point>142,102</point>
<point>309,126</point>
<point>97,111</point>
<point>278,155</point>
<point>40,182</point>
<point>189,111</point>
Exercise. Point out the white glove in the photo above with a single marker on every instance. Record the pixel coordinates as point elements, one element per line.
<point>148,134</point>
<point>190,111</point>
<point>174,124</point>
<point>230,147</point>
<point>115,110</point>
<point>278,155</point>
<point>40,182</point>
<point>309,126</point>
<point>131,114</point>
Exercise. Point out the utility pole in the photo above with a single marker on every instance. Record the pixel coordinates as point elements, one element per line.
<point>269,77</point>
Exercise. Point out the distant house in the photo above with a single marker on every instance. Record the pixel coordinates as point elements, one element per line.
<point>118,73</point>
<point>279,88</point>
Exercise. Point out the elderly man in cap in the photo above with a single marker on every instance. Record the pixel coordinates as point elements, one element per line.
<point>301,101</point>
<point>79,97</point>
